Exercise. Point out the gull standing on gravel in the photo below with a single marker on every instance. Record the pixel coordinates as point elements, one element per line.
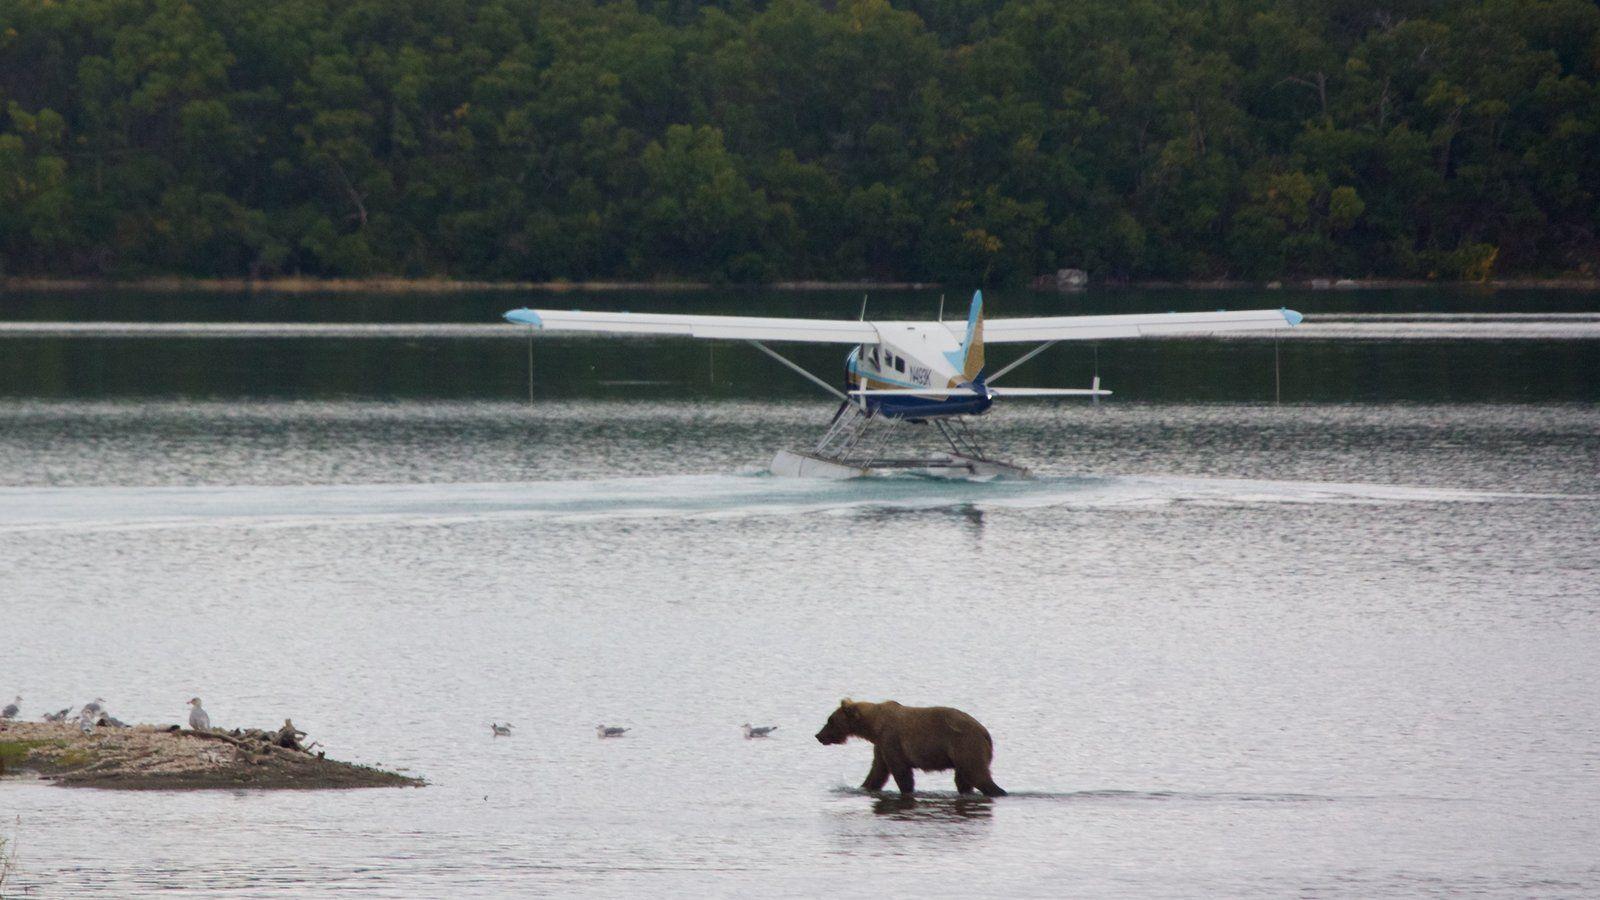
<point>198,720</point>
<point>758,731</point>
<point>95,708</point>
<point>58,716</point>
<point>500,730</point>
<point>603,731</point>
<point>86,721</point>
<point>11,710</point>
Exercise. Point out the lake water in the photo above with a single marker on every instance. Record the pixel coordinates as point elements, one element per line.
<point>1345,645</point>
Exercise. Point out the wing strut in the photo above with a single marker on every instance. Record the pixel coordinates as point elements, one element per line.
<point>1019,361</point>
<point>818,381</point>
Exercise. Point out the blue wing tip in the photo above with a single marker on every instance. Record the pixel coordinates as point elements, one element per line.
<point>524,317</point>
<point>1292,317</point>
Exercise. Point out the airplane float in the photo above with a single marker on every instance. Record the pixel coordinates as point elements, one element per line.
<point>901,373</point>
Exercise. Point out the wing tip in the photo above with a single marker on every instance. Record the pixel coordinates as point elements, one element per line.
<point>1292,317</point>
<point>524,316</point>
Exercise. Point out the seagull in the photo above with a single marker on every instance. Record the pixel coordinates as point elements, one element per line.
<point>758,731</point>
<point>500,730</point>
<point>113,721</point>
<point>11,710</point>
<point>86,722</point>
<point>58,716</point>
<point>198,720</point>
<point>603,731</point>
<point>289,736</point>
<point>95,708</point>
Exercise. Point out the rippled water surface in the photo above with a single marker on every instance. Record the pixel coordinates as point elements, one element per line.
<point>1321,649</point>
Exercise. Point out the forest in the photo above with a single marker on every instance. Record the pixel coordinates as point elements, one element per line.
<point>745,141</point>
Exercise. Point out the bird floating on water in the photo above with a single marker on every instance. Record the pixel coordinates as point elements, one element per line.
<point>758,731</point>
<point>605,732</point>
<point>198,720</point>
<point>500,730</point>
<point>11,710</point>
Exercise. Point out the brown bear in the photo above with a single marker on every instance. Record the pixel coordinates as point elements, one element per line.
<point>931,738</point>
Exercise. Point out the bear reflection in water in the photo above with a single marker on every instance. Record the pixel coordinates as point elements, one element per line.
<point>938,809</point>
<point>930,738</point>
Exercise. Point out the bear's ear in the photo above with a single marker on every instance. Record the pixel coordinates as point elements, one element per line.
<point>846,703</point>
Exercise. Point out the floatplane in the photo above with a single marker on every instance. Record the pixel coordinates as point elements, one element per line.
<point>898,373</point>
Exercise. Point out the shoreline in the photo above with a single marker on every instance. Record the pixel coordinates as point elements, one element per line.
<point>303,285</point>
<point>1557,326</point>
<point>420,285</point>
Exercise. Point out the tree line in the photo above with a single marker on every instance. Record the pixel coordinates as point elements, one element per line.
<point>748,140</point>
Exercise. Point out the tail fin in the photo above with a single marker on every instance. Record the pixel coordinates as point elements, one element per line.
<point>972,347</point>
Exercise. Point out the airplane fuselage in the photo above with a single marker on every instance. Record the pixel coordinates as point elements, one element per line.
<point>911,355</point>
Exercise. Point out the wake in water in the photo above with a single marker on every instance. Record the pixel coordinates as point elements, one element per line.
<point>704,496</point>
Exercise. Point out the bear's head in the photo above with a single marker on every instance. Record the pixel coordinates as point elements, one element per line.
<point>842,725</point>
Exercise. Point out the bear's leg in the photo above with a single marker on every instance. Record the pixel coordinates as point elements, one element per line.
<point>963,784</point>
<point>979,777</point>
<point>878,775</point>
<point>904,780</point>
<point>990,789</point>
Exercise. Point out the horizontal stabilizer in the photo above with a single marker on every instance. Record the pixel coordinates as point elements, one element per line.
<point>1047,392</point>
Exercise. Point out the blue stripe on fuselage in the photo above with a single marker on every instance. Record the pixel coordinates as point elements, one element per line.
<point>929,407</point>
<point>918,407</point>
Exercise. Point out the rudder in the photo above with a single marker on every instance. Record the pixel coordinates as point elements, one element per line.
<point>972,347</point>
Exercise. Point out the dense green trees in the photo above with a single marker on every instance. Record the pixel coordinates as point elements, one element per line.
<point>749,140</point>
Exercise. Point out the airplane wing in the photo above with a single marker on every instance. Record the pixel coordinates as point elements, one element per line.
<point>847,331</point>
<point>1094,328</point>
<point>746,328</point>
